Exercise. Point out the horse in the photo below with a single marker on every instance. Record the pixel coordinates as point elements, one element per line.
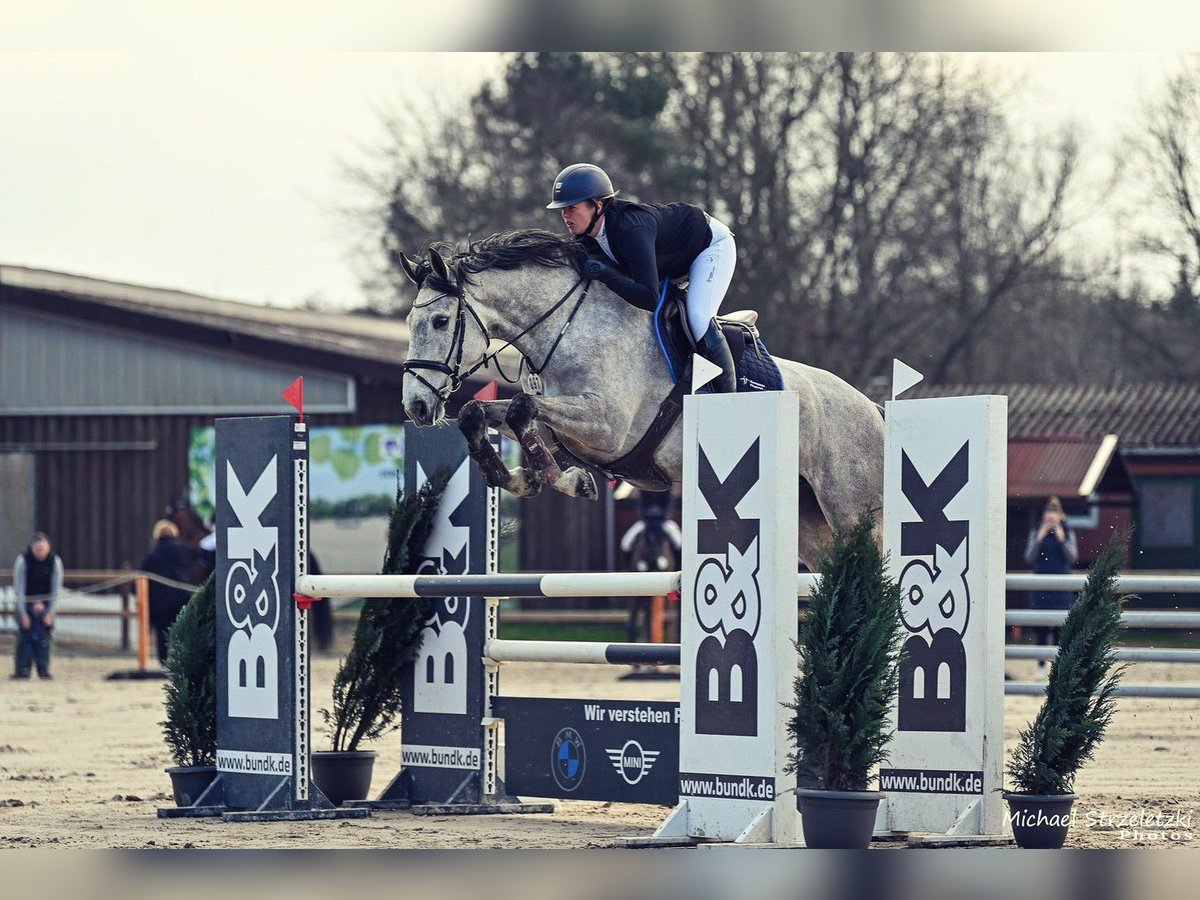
<point>596,380</point>
<point>651,545</point>
<point>192,531</point>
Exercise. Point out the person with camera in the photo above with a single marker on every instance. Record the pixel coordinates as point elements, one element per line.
<point>1052,550</point>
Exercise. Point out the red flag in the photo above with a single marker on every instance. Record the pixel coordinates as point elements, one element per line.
<point>295,395</point>
<point>489,391</point>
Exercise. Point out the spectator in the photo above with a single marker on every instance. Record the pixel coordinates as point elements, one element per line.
<point>169,557</point>
<point>1051,550</point>
<point>37,581</point>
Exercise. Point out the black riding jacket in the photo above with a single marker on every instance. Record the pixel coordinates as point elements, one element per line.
<point>649,241</point>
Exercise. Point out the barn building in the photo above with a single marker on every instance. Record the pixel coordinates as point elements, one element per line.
<point>102,383</point>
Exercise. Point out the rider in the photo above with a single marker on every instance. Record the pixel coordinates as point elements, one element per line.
<point>647,242</point>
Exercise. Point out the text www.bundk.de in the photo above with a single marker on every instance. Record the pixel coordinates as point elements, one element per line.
<point>738,787</point>
<point>441,757</point>
<point>930,781</point>
<point>249,762</point>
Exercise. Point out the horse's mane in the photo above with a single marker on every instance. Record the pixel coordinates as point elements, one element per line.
<point>507,250</point>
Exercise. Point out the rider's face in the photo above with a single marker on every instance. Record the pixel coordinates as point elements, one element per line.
<point>577,216</point>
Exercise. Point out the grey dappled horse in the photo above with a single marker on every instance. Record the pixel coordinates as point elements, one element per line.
<point>603,378</point>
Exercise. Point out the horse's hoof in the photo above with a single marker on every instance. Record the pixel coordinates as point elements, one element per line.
<point>521,412</point>
<point>523,483</point>
<point>577,482</point>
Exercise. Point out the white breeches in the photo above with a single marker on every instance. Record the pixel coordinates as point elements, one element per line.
<point>709,277</point>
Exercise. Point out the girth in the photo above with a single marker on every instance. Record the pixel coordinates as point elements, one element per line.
<point>638,466</point>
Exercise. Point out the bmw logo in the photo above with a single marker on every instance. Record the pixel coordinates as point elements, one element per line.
<point>568,759</point>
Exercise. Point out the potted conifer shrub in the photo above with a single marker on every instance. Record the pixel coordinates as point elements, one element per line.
<point>1080,702</point>
<point>849,673</point>
<point>367,686</point>
<point>190,728</point>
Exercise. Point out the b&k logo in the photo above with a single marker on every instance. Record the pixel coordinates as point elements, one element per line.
<point>936,601</point>
<point>632,761</point>
<point>727,600</point>
<point>252,596</point>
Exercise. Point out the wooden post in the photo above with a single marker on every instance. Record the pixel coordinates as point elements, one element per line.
<point>143,603</point>
<point>656,620</point>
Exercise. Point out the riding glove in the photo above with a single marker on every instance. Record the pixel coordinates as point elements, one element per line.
<point>597,270</point>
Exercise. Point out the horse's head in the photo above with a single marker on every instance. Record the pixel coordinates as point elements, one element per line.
<point>521,274</point>
<point>185,517</point>
<point>446,338</point>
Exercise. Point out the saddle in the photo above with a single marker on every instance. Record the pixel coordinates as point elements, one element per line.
<point>756,371</point>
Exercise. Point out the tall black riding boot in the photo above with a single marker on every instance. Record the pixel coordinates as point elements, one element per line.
<point>714,348</point>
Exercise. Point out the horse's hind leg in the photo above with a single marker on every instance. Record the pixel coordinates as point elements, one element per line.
<point>473,421</point>
<point>815,533</point>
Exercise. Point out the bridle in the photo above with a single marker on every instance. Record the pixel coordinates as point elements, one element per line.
<point>451,366</point>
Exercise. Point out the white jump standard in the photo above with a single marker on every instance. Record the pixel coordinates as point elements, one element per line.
<point>263,694</point>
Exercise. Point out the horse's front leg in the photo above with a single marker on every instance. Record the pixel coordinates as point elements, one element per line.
<point>586,419</point>
<point>474,419</point>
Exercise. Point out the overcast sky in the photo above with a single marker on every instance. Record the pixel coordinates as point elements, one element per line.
<point>221,174</point>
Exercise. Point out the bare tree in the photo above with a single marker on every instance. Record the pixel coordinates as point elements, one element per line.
<point>1170,149</point>
<point>880,202</point>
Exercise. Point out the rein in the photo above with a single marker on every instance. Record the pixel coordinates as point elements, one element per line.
<point>455,375</point>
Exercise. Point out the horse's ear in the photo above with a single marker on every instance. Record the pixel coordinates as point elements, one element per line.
<point>438,264</point>
<point>412,269</point>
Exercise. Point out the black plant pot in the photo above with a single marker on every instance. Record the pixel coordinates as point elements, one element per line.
<point>838,820</point>
<point>1039,821</point>
<point>343,774</point>
<point>189,782</point>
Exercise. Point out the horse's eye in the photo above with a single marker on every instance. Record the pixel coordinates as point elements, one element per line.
<point>440,322</point>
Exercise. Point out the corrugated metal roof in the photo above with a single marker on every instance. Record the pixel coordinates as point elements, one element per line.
<point>1053,465</point>
<point>1146,416</point>
<point>59,366</point>
<point>369,337</point>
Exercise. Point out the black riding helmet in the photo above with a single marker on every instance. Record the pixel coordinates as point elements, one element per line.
<point>579,182</point>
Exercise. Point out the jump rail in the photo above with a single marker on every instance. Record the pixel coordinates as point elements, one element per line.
<point>667,654</point>
<point>653,584</point>
<point>583,652</point>
<point>1158,691</point>
<point>564,584</point>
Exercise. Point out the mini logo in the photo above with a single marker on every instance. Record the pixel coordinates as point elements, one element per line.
<point>558,185</point>
<point>632,762</point>
<point>568,759</point>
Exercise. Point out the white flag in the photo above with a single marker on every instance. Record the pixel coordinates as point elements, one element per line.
<point>903,377</point>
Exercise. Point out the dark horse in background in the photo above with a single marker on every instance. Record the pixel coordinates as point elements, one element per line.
<point>192,531</point>
<point>651,545</point>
